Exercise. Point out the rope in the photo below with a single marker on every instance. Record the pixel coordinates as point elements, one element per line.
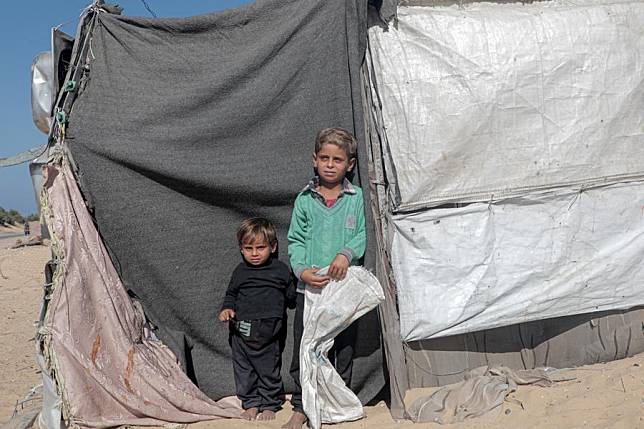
<point>145,3</point>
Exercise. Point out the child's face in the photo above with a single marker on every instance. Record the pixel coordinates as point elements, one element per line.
<point>257,251</point>
<point>332,164</point>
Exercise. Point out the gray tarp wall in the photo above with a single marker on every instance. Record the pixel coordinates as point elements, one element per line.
<point>183,127</point>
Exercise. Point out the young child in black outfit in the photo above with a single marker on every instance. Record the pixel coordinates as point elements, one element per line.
<point>254,305</point>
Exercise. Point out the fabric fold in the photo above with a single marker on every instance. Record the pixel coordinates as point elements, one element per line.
<point>107,371</point>
<point>483,389</point>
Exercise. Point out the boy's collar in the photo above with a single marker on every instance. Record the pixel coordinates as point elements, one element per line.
<point>347,187</point>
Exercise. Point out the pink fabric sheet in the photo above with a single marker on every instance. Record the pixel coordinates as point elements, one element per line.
<point>108,373</point>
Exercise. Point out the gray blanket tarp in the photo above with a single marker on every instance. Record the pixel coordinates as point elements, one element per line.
<point>183,127</point>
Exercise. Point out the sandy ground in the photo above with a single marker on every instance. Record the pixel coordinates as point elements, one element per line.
<point>21,280</point>
<point>598,396</point>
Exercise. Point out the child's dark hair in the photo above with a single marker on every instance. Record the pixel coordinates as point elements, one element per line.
<point>254,227</point>
<point>339,137</point>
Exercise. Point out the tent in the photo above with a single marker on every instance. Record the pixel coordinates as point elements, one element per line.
<point>500,167</point>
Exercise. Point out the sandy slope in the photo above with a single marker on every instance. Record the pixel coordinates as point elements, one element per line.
<point>599,396</point>
<point>10,229</point>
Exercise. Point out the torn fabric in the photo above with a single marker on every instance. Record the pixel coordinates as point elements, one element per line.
<point>107,371</point>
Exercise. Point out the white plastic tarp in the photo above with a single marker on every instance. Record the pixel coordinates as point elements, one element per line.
<point>494,100</point>
<point>487,265</point>
<point>327,312</point>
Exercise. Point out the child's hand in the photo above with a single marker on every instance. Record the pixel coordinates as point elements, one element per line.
<point>226,314</point>
<point>338,268</point>
<point>309,277</point>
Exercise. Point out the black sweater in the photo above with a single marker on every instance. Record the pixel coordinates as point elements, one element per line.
<point>259,292</point>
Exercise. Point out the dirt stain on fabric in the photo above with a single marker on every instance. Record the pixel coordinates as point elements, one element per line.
<point>129,369</point>
<point>95,348</point>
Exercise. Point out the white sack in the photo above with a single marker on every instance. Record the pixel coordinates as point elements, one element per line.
<point>536,257</point>
<point>494,100</point>
<point>327,312</point>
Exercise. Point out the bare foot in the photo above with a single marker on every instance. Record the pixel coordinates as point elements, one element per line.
<point>249,414</point>
<point>296,421</point>
<point>266,415</point>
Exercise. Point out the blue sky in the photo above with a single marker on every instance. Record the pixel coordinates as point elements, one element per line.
<point>25,32</point>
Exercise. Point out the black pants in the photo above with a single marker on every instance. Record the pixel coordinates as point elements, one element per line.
<point>340,355</point>
<point>256,365</point>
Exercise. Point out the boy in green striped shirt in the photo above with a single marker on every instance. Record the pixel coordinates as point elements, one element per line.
<point>327,229</point>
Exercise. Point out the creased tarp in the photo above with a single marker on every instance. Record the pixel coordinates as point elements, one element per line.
<point>107,371</point>
<point>482,390</point>
<point>186,126</point>
<point>491,100</point>
<point>530,258</point>
<point>327,312</point>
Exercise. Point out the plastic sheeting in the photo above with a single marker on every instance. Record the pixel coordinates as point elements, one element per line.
<point>22,157</point>
<point>536,257</point>
<point>489,100</point>
<point>107,372</point>
<point>50,416</point>
<point>42,91</point>
<point>329,311</point>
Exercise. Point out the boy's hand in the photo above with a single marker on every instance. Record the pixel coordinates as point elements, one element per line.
<point>309,277</point>
<point>226,314</point>
<point>338,268</point>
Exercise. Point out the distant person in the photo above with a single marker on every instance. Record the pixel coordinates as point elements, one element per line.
<point>327,229</point>
<point>26,228</point>
<point>255,306</point>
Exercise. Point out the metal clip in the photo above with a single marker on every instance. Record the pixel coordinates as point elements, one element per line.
<point>61,117</point>
<point>70,85</point>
